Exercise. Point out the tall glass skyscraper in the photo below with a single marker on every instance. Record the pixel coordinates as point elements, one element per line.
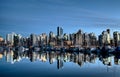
<point>59,31</point>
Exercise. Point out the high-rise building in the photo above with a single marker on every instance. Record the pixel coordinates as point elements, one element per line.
<point>78,38</point>
<point>52,39</point>
<point>105,38</point>
<point>17,39</point>
<point>51,35</point>
<point>71,38</point>
<point>116,36</point>
<point>66,40</point>
<point>100,37</point>
<point>59,36</point>
<point>65,37</point>
<point>86,39</point>
<point>43,39</point>
<point>24,41</point>
<point>59,31</point>
<point>108,36</point>
<point>33,39</point>
<point>92,39</point>
<point>10,38</point>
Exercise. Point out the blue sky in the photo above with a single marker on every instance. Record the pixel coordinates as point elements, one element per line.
<point>38,16</point>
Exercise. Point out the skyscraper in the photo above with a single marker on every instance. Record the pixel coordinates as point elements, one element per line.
<point>105,38</point>
<point>43,39</point>
<point>92,39</point>
<point>86,39</point>
<point>17,38</point>
<point>33,39</point>
<point>100,37</point>
<point>79,38</point>
<point>10,38</point>
<point>59,36</point>
<point>59,32</point>
<point>116,36</point>
<point>108,36</point>
<point>52,38</point>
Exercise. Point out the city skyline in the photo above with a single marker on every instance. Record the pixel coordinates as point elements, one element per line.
<point>61,39</point>
<point>56,32</point>
<point>35,16</point>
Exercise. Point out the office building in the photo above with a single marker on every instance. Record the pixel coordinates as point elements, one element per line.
<point>52,39</point>
<point>43,39</point>
<point>86,39</point>
<point>59,36</point>
<point>105,38</point>
<point>1,39</point>
<point>108,36</point>
<point>92,39</point>
<point>33,39</point>
<point>116,36</point>
<point>78,38</point>
<point>17,39</point>
<point>59,32</point>
<point>10,38</point>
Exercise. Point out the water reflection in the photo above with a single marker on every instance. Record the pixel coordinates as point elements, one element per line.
<point>59,57</point>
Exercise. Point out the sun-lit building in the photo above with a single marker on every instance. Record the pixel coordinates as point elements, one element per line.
<point>1,39</point>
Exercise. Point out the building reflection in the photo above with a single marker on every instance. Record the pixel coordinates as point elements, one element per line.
<point>59,63</point>
<point>59,57</point>
<point>9,56</point>
<point>117,59</point>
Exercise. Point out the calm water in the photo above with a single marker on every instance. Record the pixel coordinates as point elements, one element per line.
<point>55,64</point>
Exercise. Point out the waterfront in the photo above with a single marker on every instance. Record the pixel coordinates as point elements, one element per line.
<point>59,38</point>
<point>60,64</point>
